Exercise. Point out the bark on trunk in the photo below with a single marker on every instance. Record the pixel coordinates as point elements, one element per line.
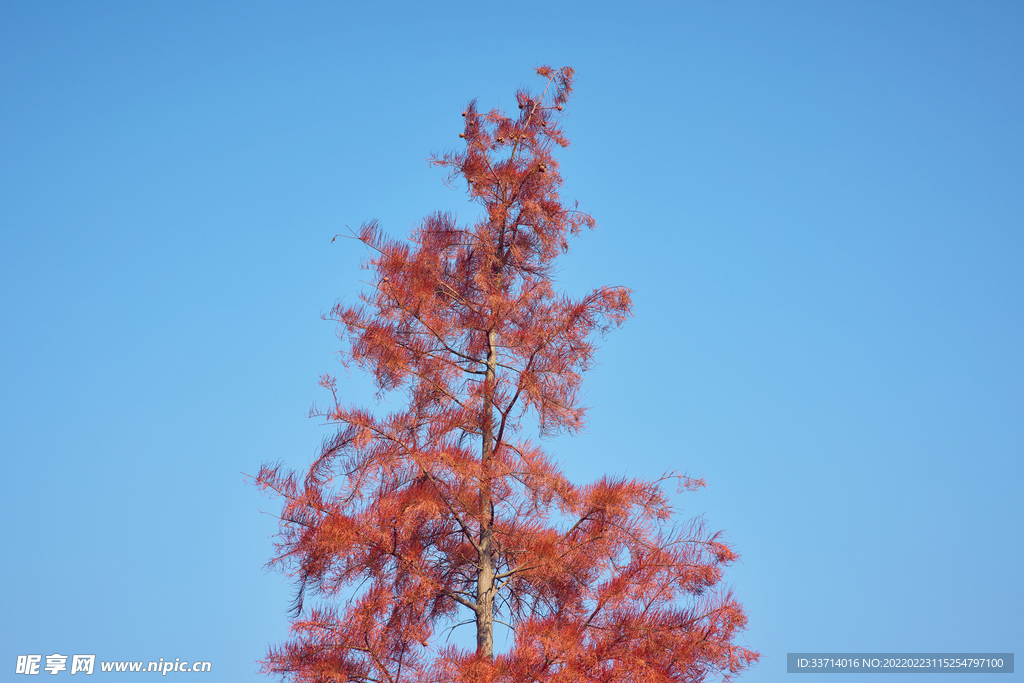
<point>485,575</point>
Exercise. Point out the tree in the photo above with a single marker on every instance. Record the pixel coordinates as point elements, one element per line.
<point>407,522</point>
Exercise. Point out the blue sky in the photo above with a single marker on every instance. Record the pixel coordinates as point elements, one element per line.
<point>819,207</point>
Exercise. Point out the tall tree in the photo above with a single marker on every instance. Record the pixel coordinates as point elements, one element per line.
<point>410,522</point>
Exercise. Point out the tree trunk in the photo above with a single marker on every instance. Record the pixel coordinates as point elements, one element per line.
<point>485,575</point>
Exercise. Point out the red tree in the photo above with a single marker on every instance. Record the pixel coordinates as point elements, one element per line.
<point>444,510</point>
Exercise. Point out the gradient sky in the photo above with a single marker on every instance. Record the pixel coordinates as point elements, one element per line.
<point>819,207</point>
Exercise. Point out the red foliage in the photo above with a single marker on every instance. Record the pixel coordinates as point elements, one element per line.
<point>444,509</point>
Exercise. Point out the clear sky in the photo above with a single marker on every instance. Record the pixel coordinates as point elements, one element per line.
<point>819,207</point>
